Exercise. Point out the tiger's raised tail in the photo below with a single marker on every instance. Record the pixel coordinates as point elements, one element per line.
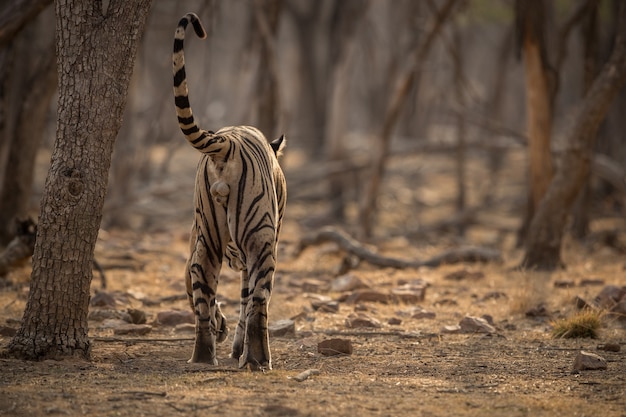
<point>204,141</point>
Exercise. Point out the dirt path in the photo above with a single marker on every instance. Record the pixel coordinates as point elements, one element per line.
<point>407,368</point>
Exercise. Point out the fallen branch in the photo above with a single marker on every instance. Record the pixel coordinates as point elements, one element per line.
<point>352,246</point>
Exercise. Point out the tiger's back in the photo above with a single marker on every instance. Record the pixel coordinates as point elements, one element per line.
<point>239,201</point>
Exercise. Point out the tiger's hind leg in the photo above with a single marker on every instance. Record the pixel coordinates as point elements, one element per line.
<point>255,347</point>
<point>202,271</point>
<point>241,324</point>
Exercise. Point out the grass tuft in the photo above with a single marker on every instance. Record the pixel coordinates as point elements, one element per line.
<point>584,324</point>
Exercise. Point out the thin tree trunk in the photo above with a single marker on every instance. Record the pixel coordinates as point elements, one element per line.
<point>547,228</point>
<point>96,51</point>
<point>531,22</point>
<point>32,90</point>
<point>392,113</point>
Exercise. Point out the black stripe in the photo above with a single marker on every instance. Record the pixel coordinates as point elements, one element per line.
<point>179,77</point>
<point>185,120</point>
<point>191,130</point>
<point>183,22</point>
<point>178,45</point>
<point>182,102</point>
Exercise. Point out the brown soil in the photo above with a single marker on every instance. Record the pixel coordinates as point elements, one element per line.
<point>411,368</point>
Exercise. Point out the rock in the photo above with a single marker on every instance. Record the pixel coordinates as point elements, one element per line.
<point>589,361</point>
<point>610,347</point>
<point>471,324</point>
<point>367,295</point>
<point>451,329</point>
<point>464,274</point>
<point>174,317</point>
<point>361,320</point>
<point>137,316</point>
<point>489,319</point>
<point>313,285</point>
<point>394,321</point>
<point>609,296</point>
<point>347,282</point>
<point>102,315</point>
<point>132,329</point>
<point>587,282</point>
<point>330,306</point>
<point>537,311</point>
<point>411,293</point>
<point>282,328</point>
<point>419,313</point>
<point>332,347</point>
<point>493,295</point>
<point>580,303</point>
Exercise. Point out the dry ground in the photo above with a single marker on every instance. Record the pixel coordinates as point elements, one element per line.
<point>410,368</point>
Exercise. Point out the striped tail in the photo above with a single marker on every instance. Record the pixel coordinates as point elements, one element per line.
<point>204,141</point>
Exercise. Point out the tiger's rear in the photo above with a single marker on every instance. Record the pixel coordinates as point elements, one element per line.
<point>239,201</point>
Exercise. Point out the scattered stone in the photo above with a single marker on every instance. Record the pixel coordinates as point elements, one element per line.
<point>112,323</point>
<point>471,324</point>
<point>361,307</point>
<point>590,281</point>
<point>132,329</point>
<point>493,295</point>
<point>420,313</point>
<point>589,361</point>
<point>361,320</point>
<point>185,328</point>
<point>446,302</point>
<point>7,331</point>
<point>564,283</point>
<point>464,274</point>
<point>537,311</point>
<point>451,329</point>
<point>580,303</point>
<point>313,285</point>
<point>610,347</point>
<point>394,321</point>
<point>103,299</point>
<point>609,296</point>
<point>332,347</point>
<point>411,293</point>
<point>137,316</point>
<point>282,328</point>
<point>360,296</point>
<point>108,314</point>
<point>304,375</point>
<point>325,306</point>
<point>347,282</point>
<point>489,319</point>
<point>510,326</point>
<point>174,317</point>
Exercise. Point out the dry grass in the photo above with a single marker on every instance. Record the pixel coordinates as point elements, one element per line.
<point>584,324</point>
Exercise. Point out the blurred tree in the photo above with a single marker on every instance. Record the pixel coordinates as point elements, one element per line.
<point>547,227</point>
<point>96,45</point>
<point>541,86</point>
<point>27,84</point>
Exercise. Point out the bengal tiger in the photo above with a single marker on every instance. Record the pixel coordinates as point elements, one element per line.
<point>239,201</point>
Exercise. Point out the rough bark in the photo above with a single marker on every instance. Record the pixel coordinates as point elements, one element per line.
<point>96,49</point>
<point>547,227</point>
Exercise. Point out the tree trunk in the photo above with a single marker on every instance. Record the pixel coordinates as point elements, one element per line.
<point>531,22</point>
<point>32,83</point>
<point>96,49</point>
<point>547,227</point>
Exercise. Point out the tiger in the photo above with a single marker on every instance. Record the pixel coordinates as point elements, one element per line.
<point>239,202</point>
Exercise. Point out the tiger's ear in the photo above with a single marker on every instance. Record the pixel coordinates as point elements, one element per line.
<point>278,145</point>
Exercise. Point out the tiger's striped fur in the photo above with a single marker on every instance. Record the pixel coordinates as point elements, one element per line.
<point>239,202</point>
